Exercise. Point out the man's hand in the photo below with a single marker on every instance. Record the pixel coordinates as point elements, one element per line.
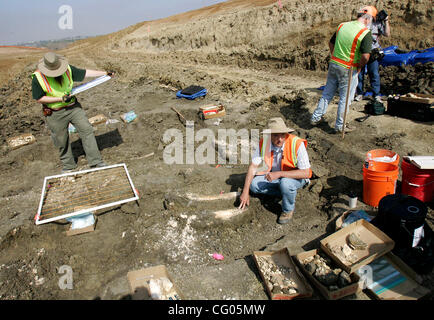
<point>270,176</point>
<point>67,98</point>
<point>245,200</point>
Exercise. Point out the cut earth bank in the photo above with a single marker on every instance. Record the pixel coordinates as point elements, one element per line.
<point>165,227</point>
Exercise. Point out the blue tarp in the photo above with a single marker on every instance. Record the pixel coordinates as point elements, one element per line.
<point>391,58</point>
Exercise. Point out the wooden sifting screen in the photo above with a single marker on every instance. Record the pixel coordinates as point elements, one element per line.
<point>74,193</point>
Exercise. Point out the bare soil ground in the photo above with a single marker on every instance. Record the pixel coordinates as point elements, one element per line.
<point>257,60</point>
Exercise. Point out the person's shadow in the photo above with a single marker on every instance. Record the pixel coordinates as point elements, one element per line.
<point>104,141</point>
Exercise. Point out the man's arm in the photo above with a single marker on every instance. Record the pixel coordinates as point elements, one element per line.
<point>386,27</point>
<point>331,47</point>
<point>365,51</point>
<point>245,197</point>
<point>363,61</point>
<point>332,42</point>
<point>294,174</point>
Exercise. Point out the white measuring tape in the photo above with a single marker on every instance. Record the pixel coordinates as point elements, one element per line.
<point>90,84</point>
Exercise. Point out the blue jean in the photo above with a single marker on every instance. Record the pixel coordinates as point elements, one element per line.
<point>337,80</point>
<point>283,187</point>
<point>374,78</point>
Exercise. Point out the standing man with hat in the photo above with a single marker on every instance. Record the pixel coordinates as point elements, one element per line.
<point>350,47</point>
<point>285,169</point>
<point>51,86</point>
<point>380,26</point>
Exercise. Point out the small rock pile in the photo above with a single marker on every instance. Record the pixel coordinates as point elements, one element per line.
<point>321,268</point>
<point>278,276</point>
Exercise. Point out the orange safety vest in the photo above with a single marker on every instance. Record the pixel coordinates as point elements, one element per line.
<point>289,156</point>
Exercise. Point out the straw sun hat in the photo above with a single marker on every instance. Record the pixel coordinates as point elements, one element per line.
<point>53,65</point>
<point>277,125</point>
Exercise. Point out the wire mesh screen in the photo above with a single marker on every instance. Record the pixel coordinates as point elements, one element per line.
<point>84,191</point>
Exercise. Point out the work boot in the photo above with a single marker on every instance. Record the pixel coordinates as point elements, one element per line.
<point>314,123</point>
<point>285,217</point>
<point>99,165</point>
<point>68,170</point>
<point>359,97</point>
<point>347,129</point>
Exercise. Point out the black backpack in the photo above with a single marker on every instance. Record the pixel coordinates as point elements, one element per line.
<point>375,108</point>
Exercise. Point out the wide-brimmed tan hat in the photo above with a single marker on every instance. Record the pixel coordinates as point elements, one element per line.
<point>277,125</point>
<point>53,65</point>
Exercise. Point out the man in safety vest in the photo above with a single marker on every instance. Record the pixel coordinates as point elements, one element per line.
<point>51,86</point>
<point>350,47</point>
<point>285,169</point>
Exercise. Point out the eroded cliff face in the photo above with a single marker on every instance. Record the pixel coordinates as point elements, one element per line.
<point>296,34</point>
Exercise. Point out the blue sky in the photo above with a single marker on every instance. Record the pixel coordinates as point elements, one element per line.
<point>33,20</point>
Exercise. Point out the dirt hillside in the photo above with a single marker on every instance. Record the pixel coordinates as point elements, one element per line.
<point>258,60</point>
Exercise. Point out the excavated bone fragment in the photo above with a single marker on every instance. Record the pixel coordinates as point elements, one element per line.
<point>227,214</point>
<point>223,196</point>
<point>355,242</point>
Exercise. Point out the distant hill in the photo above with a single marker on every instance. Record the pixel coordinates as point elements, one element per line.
<point>53,44</point>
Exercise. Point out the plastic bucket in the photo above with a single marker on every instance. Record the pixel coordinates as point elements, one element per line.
<point>381,155</point>
<point>416,182</point>
<point>379,181</point>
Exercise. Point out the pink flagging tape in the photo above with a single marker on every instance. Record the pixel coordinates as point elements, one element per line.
<point>218,256</point>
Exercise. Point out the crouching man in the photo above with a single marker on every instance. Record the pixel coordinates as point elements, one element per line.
<point>285,168</point>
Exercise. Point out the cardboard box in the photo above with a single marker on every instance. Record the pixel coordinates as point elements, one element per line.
<point>21,140</point>
<point>100,118</point>
<point>212,112</point>
<point>81,230</point>
<point>378,244</point>
<point>418,98</point>
<point>422,162</point>
<point>341,219</point>
<point>410,289</point>
<point>417,107</point>
<point>139,282</point>
<point>330,295</point>
<point>283,258</point>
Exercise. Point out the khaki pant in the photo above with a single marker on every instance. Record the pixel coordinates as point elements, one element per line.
<point>58,123</point>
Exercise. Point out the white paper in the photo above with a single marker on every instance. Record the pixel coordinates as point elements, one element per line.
<point>90,84</point>
<point>418,235</point>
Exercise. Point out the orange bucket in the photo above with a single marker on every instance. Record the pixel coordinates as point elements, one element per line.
<point>381,155</point>
<point>379,181</point>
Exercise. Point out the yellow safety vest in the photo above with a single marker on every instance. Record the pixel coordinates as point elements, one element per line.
<point>349,36</point>
<point>53,89</point>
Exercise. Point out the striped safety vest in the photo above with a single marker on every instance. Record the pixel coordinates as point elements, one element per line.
<point>289,156</point>
<point>53,89</point>
<point>349,36</point>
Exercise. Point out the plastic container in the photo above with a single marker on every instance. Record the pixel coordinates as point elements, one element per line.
<point>399,216</point>
<point>381,155</point>
<point>416,182</point>
<point>379,181</point>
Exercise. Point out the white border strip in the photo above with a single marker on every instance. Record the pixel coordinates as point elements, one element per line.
<point>136,196</point>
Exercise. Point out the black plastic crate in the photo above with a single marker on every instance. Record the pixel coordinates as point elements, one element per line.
<point>410,110</point>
